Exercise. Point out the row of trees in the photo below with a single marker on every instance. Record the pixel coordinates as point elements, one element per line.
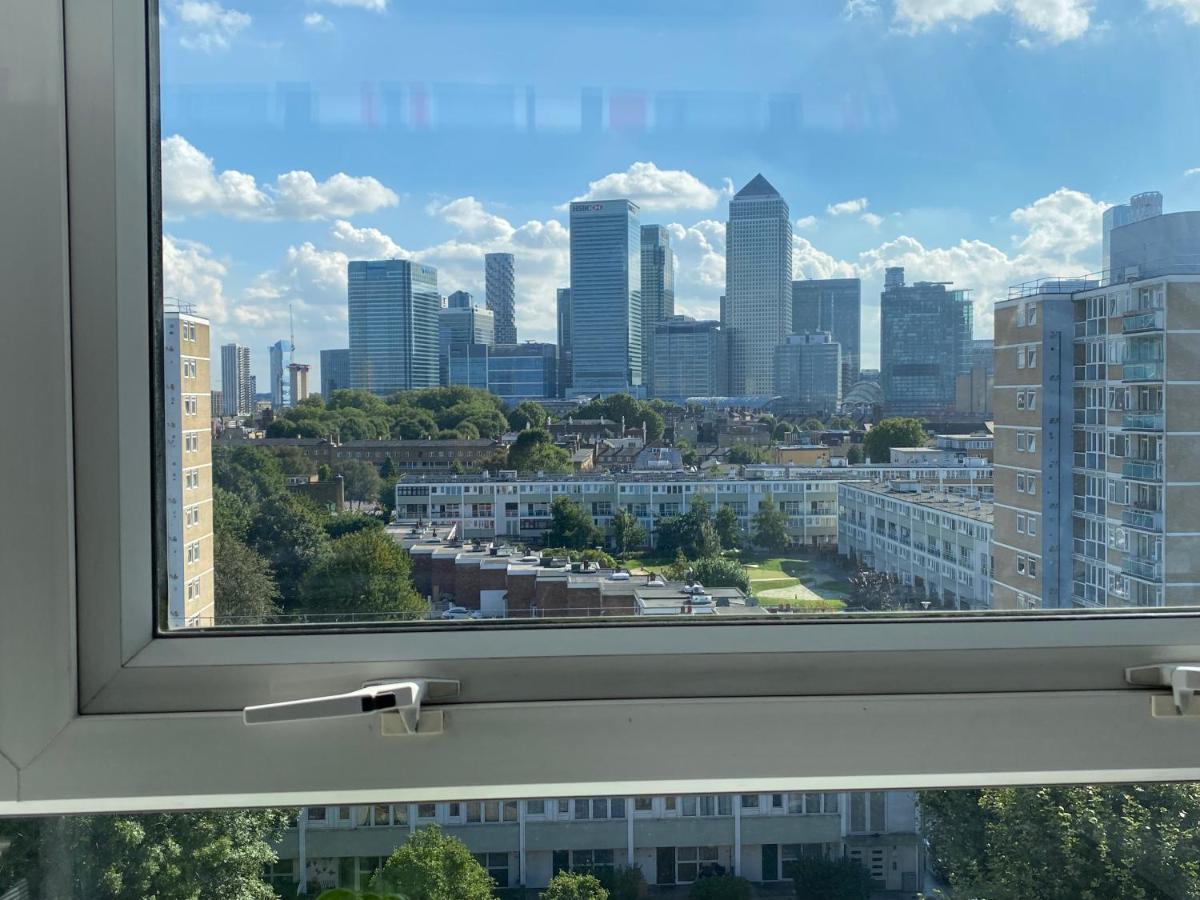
<point>277,552</point>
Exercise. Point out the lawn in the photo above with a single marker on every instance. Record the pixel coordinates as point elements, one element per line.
<point>775,580</point>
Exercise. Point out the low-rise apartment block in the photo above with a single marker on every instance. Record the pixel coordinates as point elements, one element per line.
<point>936,543</point>
<point>673,840</point>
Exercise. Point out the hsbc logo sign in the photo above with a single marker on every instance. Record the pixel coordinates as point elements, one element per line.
<point>587,207</point>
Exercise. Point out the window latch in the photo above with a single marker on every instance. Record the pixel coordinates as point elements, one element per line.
<point>398,703</point>
<point>1182,678</point>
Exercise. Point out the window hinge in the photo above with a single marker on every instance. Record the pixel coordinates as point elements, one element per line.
<point>1182,678</point>
<point>397,701</point>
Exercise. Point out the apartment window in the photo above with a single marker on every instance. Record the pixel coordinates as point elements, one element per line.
<point>1020,565</point>
<point>643,804</point>
<point>1020,482</point>
<point>693,862</point>
<point>1032,567</point>
<point>496,865</point>
<point>1031,358</point>
<point>1031,442</point>
<point>1032,315</point>
<point>426,810</point>
<point>1033,525</point>
<point>1020,442</point>
<point>316,814</point>
<point>535,807</point>
<point>1020,357</point>
<point>1020,399</point>
<point>1020,524</point>
<point>749,801</point>
<point>1031,399</point>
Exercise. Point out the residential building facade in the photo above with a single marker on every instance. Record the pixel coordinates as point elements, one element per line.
<point>335,371</point>
<point>691,359</point>
<point>187,413</point>
<point>500,286</point>
<point>236,396</point>
<point>808,372</point>
<point>833,305</point>
<point>925,342</point>
<point>758,285</point>
<point>658,290</point>
<point>393,322</point>
<point>937,544</point>
<point>606,300</point>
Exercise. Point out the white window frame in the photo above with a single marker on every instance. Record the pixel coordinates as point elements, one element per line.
<point>99,713</point>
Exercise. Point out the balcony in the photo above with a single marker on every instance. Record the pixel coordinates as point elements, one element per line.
<point>1143,421</point>
<point>1150,320</point>
<point>1142,470</point>
<point>1143,371</point>
<point>1144,519</point>
<point>1145,569</point>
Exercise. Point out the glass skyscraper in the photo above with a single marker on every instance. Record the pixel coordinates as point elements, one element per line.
<point>658,290</point>
<point>335,371</point>
<point>758,285</point>
<point>606,299</point>
<point>564,341</point>
<point>279,383</point>
<point>521,372</point>
<point>925,342</point>
<point>833,305</point>
<point>236,398</point>
<point>393,306</point>
<point>500,287</point>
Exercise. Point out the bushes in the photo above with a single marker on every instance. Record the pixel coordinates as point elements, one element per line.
<point>722,887</point>
<point>831,879</point>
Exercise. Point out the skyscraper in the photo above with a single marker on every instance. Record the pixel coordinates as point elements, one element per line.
<point>606,299</point>
<point>501,289</point>
<point>520,372</point>
<point>236,396</point>
<point>564,341</point>
<point>279,379</point>
<point>460,300</point>
<point>925,342</point>
<point>809,372</point>
<point>833,305</point>
<point>1140,207</point>
<point>393,306</point>
<point>462,322</point>
<point>335,371</point>
<point>691,359</point>
<point>758,285</point>
<point>188,424</point>
<point>658,290</point>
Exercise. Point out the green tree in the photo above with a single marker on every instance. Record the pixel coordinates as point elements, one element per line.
<point>586,554</point>
<point>891,433</point>
<point>244,588</point>
<point>622,407</point>
<point>841,423</point>
<point>432,865</point>
<point>782,432</point>
<point>1102,842</point>
<point>570,526</point>
<point>743,454</point>
<point>248,472</point>
<point>324,472</point>
<point>813,424</point>
<point>627,532</point>
<point>365,572</point>
<point>533,451</point>
<point>528,414</point>
<point>698,534</point>
<point>388,471</point>
<point>349,522</point>
<point>170,856</point>
<point>232,514</point>
<point>723,887</point>
<point>830,879</point>
<point>769,526</point>
<point>729,533</point>
<point>293,460</point>
<point>718,571</point>
<point>361,480</point>
<point>289,532</point>
<point>626,883</point>
<point>574,886</point>
<point>854,455</point>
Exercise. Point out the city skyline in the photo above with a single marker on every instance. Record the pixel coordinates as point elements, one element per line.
<point>498,156</point>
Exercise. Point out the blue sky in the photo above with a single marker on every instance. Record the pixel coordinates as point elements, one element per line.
<point>970,140</point>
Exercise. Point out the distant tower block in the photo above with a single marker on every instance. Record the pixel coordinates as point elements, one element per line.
<point>298,381</point>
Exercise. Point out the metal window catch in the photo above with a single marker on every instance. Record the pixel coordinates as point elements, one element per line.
<point>1182,678</point>
<point>398,703</point>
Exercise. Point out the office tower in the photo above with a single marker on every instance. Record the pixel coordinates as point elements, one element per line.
<point>658,290</point>
<point>925,342</point>
<point>833,305</point>
<point>297,382</point>
<point>758,285</point>
<point>692,359</point>
<point>1139,207</point>
<point>188,423</point>
<point>606,300</point>
<point>393,305</point>
<point>279,382</point>
<point>973,388</point>
<point>237,399</point>
<point>1098,429</point>
<point>501,294</point>
<point>517,372</point>
<point>465,364</point>
<point>335,371</point>
<point>564,341</point>
<point>808,372</point>
<point>254,391</point>
<point>460,300</point>
<point>461,324</point>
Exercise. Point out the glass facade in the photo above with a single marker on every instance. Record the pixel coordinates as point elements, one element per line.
<point>393,312</point>
<point>606,300</point>
<point>335,371</point>
<point>658,289</point>
<point>466,365</point>
<point>501,287</point>
<point>564,341</point>
<point>690,359</point>
<point>833,305</point>
<point>522,372</point>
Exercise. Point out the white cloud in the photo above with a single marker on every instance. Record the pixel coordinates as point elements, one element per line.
<point>654,189</point>
<point>1189,9</point>
<point>314,21</point>
<point>861,9</point>
<point>1190,172</point>
<point>806,222</point>
<point>191,185</point>
<point>207,25</point>
<point>1055,20</point>
<point>377,6</point>
<point>468,215</point>
<point>1059,228</point>
<point>847,207</point>
<point>872,219</point>
<point>191,275</point>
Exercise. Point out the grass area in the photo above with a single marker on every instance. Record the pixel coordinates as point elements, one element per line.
<point>775,580</point>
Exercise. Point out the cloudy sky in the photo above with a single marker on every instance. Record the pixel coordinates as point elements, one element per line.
<point>973,141</point>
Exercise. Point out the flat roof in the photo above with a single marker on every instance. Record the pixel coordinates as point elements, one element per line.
<point>941,501</point>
